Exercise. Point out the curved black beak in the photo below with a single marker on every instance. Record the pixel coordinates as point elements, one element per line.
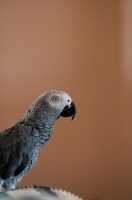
<point>69,111</point>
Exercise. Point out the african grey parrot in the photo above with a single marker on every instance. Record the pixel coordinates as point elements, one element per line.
<point>21,143</point>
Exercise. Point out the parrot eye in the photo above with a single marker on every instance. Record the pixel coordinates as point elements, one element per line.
<point>56,98</point>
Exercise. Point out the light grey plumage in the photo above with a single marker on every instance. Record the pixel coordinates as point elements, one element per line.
<point>21,143</point>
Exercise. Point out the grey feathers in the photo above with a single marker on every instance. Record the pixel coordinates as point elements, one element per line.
<point>17,145</point>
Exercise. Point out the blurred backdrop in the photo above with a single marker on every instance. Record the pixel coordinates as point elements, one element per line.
<point>83,47</point>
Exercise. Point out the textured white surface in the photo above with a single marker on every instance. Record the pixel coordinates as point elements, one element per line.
<point>34,192</point>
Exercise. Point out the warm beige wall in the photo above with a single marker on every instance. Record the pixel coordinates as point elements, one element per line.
<point>75,46</point>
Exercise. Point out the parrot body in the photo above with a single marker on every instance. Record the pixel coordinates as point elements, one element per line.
<point>21,143</point>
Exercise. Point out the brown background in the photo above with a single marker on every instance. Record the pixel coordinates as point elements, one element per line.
<point>82,47</point>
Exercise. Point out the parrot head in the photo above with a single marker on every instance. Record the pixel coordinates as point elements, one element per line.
<point>49,106</point>
<point>59,100</point>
